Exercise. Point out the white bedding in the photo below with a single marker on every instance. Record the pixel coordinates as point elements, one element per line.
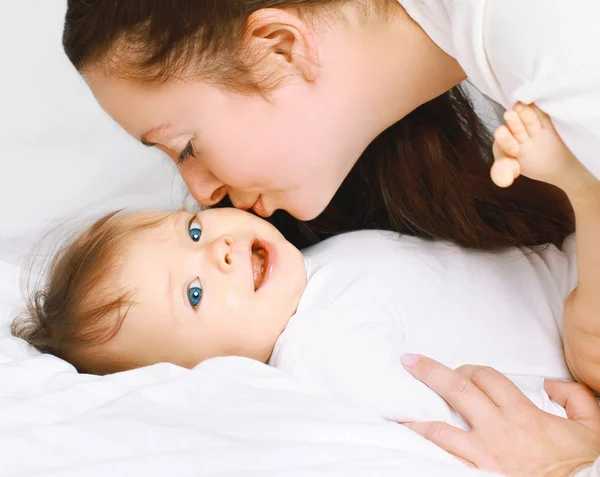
<point>229,416</point>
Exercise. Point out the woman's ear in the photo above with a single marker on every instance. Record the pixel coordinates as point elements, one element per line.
<point>281,46</point>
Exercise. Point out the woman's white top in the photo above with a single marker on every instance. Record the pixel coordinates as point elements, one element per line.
<point>545,52</point>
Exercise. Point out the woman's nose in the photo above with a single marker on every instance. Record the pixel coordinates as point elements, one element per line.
<point>204,186</point>
<point>222,253</point>
<point>216,196</point>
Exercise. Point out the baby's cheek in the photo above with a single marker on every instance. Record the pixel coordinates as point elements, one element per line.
<point>236,306</point>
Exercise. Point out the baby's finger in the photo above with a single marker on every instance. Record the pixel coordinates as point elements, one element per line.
<point>453,440</point>
<point>505,171</point>
<point>529,118</point>
<point>516,126</point>
<point>505,143</point>
<point>544,118</point>
<point>499,153</point>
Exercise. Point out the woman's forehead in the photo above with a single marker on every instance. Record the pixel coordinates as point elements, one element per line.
<point>136,108</point>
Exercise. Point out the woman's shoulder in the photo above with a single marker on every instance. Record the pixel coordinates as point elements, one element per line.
<point>532,52</point>
<point>525,51</point>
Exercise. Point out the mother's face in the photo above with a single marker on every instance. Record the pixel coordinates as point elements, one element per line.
<point>291,151</point>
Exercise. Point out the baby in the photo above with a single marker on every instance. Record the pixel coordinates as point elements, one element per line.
<point>142,288</point>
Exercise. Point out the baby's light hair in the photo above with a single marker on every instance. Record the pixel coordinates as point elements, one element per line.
<point>75,310</point>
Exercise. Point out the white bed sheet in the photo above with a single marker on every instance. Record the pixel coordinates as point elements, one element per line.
<point>230,416</point>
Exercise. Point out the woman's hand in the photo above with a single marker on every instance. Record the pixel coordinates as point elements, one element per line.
<point>509,434</point>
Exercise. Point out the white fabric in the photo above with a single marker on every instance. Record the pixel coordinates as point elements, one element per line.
<point>593,471</point>
<point>229,416</point>
<point>534,51</point>
<point>374,296</point>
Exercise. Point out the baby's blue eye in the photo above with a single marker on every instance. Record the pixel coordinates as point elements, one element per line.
<point>195,231</point>
<point>195,293</point>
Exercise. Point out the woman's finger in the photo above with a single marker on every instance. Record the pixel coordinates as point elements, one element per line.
<point>453,440</point>
<point>577,399</point>
<point>501,390</point>
<point>459,392</point>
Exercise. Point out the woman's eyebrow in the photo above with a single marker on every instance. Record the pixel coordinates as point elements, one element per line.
<point>144,139</point>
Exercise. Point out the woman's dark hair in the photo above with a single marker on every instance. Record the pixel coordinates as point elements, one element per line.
<point>427,175</point>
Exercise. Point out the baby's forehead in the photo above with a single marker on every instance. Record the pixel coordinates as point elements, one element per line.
<point>145,224</point>
<point>143,256</point>
<point>139,236</point>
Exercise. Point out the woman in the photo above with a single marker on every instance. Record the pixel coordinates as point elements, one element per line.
<point>273,102</point>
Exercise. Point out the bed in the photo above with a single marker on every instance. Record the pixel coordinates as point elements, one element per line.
<point>61,157</point>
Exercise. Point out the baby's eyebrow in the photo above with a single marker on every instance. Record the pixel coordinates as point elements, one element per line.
<point>179,216</point>
<point>152,132</point>
<point>170,293</point>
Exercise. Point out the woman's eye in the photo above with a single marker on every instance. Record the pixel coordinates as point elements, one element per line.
<point>195,293</point>
<point>187,152</point>
<point>195,231</point>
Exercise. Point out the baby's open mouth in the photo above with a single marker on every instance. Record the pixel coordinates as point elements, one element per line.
<point>260,262</point>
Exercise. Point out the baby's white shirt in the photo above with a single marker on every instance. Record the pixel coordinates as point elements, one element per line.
<point>373,296</point>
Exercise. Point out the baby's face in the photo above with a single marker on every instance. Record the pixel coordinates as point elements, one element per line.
<point>219,283</point>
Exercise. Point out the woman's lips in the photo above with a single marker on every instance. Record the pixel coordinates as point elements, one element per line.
<point>259,208</point>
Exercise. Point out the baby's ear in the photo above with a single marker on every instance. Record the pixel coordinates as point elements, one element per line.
<point>281,46</point>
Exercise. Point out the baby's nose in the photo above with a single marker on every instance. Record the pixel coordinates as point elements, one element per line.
<point>222,249</point>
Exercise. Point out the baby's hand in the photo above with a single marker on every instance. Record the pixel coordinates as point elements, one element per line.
<point>530,145</point>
